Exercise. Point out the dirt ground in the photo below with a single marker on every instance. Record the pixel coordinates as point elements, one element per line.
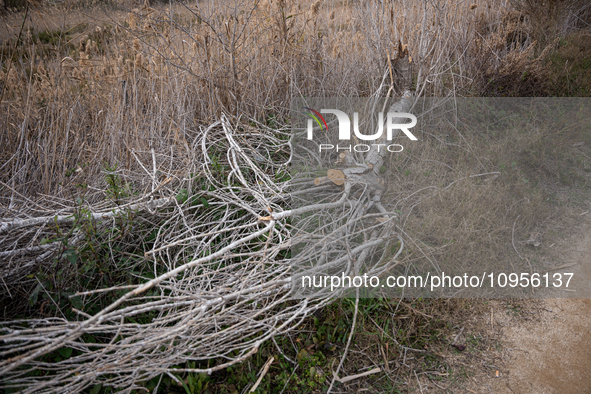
<point>545,345</point>
<point>549,355</point>
<point>540,345</point>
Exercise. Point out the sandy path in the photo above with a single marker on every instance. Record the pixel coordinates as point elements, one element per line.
<point>552,355</point>
<point>552,352</point>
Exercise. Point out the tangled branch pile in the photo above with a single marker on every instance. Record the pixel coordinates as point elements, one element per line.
<point>221,281</point>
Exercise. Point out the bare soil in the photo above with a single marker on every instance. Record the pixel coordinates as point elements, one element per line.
<point>544,346</point>
<point>550,352</point>
<point>539,346</point>
<point>549,355</point>
<point>523,346</point>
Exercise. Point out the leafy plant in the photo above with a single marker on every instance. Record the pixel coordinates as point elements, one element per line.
<point>117,190</point>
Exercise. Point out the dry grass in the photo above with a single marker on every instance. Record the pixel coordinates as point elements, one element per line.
<point>91,93</point>
<point>469,222</point>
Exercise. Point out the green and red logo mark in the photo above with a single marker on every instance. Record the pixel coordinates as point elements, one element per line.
<point>315,115</point>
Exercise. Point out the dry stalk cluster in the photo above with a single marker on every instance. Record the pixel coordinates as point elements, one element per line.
<point>91,94</point>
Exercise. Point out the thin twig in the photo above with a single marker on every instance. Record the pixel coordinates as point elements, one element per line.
<point>344,356</point>
<point>262,374</point>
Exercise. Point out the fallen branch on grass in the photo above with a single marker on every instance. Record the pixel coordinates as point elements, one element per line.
<point>359,375</point>
<point>13,224</point>
<point>221,284</point>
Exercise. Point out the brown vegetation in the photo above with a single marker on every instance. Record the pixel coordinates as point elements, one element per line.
<point>100,90</point>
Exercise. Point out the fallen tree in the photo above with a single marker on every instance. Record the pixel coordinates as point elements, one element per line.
<point>221,280</point>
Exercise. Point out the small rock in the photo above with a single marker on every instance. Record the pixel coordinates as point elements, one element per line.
<point>535,239</point>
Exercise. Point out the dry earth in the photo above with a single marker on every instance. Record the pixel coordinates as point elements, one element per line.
<point>548,350</point>
<point>551,355</point>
